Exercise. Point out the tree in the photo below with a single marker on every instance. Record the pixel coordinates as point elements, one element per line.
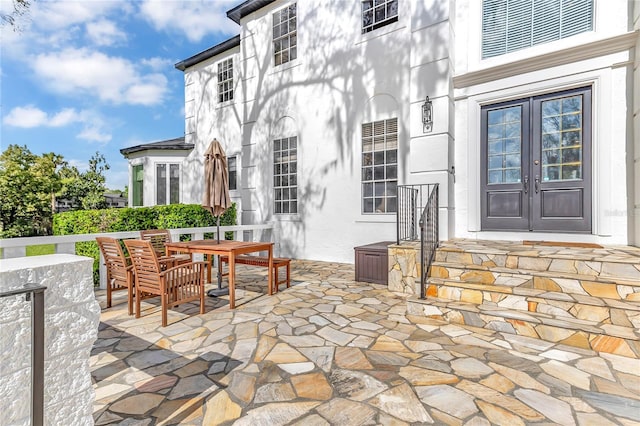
<point>24,209</point>
<point>20,8</point>
<point>31,184</point>
<point>87,189</point>
<point>49,169</point>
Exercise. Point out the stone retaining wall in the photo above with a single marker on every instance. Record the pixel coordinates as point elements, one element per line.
<point>72,316</point>
<point>404,268</point>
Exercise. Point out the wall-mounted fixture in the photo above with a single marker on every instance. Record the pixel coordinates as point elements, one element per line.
<point>427,116</point>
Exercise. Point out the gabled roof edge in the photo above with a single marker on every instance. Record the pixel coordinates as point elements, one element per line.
<point>210,52</point>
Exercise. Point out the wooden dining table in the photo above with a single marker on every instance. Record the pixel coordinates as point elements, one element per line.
<point>228,248</point>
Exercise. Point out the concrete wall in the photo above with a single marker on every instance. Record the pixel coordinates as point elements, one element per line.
<point>341,79</point>
<point>72,316</point>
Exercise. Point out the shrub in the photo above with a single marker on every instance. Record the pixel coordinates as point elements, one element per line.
<point>133,219</point>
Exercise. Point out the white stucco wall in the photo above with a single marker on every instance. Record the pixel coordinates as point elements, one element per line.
<point>72,316</point>
<point>341,79</point>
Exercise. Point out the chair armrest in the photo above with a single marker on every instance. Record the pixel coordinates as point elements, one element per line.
<point>190,265</point>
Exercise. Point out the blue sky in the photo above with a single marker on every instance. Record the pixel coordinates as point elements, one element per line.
<point>85,76</point>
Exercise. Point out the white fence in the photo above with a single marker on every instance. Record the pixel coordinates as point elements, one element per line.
<point>17,247</point>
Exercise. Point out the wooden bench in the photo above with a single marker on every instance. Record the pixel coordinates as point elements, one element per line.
<point>264,262</point>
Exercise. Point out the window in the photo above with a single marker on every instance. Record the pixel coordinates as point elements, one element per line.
<point>380,166</point>
<point>285,176</point>
<point>378,13</point>
<point>225,80</point>
<point>510,25</point>
<point>167,184</point>
<point>137,185</point>
<point>285,44</point>
<point>233,173</point>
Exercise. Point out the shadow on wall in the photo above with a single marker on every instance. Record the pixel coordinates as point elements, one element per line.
<point>344,69</point>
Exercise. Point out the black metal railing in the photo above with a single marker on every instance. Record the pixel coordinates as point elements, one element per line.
<point>429,237</point>
<point>412,200</point>
<point>35,294</point>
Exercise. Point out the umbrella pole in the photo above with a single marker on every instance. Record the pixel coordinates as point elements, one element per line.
<point>215,292</point>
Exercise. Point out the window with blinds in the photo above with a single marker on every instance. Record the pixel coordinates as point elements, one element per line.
<point>380,166</point>
<point>510,25</point>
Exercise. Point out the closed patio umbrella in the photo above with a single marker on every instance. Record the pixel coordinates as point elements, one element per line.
<point>216,193</point>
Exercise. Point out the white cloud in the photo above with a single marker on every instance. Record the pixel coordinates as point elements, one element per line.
<point>31,117</point>
<point>94,134</point>
<point>26,117</point>
<point>195,19</point>
<point>157,64</point>
<point>58,15</point>
<point>105,33</point>
<point>90,73</point>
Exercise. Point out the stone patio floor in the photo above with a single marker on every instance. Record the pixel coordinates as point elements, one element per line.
<point>332,351</point>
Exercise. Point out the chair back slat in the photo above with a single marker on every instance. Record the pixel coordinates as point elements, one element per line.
<point>158,238</point>
<point>145,263</point>
<point>115,261</point>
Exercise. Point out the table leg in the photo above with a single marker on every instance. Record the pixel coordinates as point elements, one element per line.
<point>270,274</point>
<point>232,280</point>
<point>209,267</point>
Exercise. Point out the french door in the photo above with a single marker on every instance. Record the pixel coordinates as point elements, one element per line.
<point>536,163</point>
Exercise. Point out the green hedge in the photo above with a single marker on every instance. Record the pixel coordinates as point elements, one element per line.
<point>133,219</point>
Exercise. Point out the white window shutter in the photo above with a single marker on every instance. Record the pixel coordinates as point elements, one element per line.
<point>510,25</point>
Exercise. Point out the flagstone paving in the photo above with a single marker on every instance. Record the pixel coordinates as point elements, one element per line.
<point>332,351</point>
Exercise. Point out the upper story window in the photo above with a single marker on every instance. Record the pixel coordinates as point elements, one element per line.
<point>378,13</point>
<point>225,80</point>
<point>167,184</point>
<point>285,175</point>
<point>137,185</point>
<point>510,25</point>
<point>380,166</point>
<point>285,35</point>
<point>233,173</point>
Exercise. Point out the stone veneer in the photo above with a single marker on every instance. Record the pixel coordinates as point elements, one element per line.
<point>72,315</point>
<point>404,268</point>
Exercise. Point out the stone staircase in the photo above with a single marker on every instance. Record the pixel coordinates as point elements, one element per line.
<point>584,296</point>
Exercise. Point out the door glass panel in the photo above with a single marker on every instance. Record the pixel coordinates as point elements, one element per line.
<point>562,139</point>
<point>504,138</point>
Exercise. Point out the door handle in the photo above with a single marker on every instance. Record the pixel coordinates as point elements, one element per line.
<point>537,184</point>
<point>526,184</point>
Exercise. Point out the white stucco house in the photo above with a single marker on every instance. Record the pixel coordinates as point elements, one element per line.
<point>535,129</point>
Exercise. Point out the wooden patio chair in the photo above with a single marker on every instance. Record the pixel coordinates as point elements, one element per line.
<point>180,284</point>
<point>158,238</point>
<point>119,269</point>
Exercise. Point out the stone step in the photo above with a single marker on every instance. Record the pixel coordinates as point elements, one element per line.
<point>581,333</point>
<point>600,310</point>
<point>598,286</point>
<point>616,263</point>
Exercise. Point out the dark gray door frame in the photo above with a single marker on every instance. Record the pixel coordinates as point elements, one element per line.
<point>537,202</point>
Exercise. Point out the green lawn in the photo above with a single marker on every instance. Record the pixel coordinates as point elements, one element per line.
<point>41,249</point>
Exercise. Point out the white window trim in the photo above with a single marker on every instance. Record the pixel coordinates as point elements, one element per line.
<point>291,62</point>
<point>397,18</point>
<point>286,216</point>
<point>367,216</point>
<point>168,182</point>
<point>238,169</point>
<point>231,101</point>
<point>474,42</point>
